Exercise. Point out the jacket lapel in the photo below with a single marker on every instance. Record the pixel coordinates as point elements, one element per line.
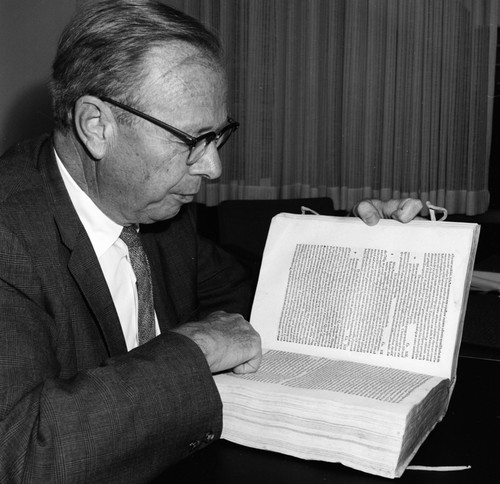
<point>83,263</point>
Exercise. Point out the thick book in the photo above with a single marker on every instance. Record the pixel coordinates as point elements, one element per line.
<point>361,328</point>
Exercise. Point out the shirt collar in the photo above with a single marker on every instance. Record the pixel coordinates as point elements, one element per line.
<point>102,231</point>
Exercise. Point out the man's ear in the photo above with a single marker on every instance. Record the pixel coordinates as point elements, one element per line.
<point>95,125</point>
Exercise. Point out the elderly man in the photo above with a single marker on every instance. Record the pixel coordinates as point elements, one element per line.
<point>110,330</point>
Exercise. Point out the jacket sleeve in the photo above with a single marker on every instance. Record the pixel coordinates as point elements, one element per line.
<point>124,420</point>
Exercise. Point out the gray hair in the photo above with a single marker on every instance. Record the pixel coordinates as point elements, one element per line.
<point>102,49</point>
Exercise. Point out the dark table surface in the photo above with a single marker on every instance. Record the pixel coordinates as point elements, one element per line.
<point>469,435</point>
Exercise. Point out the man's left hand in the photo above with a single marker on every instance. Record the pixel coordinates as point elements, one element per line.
<point>403,210</point>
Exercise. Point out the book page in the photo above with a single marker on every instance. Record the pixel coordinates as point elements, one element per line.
<point>340,381</point>
<point>392,294</point>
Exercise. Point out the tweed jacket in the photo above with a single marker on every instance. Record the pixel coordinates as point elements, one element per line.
<point>75,406</point>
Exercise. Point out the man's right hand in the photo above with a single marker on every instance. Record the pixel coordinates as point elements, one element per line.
<point>227,340</point>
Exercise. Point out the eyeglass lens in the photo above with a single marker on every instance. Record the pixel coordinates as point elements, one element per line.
<point>199,149</point>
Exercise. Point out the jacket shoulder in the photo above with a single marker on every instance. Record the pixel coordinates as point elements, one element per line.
<point>18,166</point>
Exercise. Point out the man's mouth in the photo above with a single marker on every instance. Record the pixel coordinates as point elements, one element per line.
<point>185,197</point>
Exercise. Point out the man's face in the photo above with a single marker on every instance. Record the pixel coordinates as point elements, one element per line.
<point>146,177</point>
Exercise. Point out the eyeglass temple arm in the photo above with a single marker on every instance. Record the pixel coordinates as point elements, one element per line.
<point>189,140</point>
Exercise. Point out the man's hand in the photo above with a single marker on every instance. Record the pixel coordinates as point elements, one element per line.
<point>403,210</point>
<point>228,342</point>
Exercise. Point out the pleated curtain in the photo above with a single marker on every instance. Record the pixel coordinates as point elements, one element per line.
<point>354,99</point>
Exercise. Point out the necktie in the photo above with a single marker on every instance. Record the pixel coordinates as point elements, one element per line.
<point>140,265</point>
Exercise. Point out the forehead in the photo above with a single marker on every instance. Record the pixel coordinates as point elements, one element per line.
<point>178,78</point>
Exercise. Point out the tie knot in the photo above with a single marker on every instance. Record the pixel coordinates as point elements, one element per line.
<point>130,236</point>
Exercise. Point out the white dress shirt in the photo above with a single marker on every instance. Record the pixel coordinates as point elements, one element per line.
<point>112,253</point>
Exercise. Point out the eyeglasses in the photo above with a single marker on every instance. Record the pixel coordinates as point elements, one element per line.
<point>197,145</point>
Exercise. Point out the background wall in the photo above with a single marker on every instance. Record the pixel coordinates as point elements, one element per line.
<point>29,30</point>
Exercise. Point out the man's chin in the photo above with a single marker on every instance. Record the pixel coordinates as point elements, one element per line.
<point>158,214</point>
<point>164,215</point>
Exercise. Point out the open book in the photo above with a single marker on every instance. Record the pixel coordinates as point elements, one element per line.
<point>361,328</point>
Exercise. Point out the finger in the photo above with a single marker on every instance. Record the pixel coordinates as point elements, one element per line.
<point>407,210</point>
<point>250,366</point>
<point>368,212</point>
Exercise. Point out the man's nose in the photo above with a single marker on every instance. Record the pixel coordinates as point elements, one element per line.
<point>209,164</point>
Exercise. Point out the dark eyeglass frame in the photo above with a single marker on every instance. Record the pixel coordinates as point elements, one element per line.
<point>186,138</point>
